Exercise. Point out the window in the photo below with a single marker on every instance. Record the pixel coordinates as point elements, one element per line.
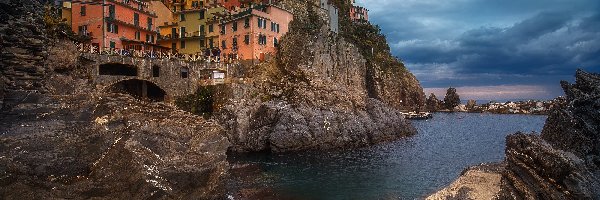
<point>149,20</point>
<point>111,11</point>
<point>147,38</point>
<point>202,14</point>
<point>173,32</point>
<point>182,31</point>
<point>82,30</point>
<point>262,39</point>
<point>155,71</point>
<point>210,28</point>
<point>211,43</point>
<point>182,44</point>
<point>246,22</point>
<point>202,43</point>
<point>262,23</point>
<point>195,4</point>
<point>246,39</point>
<point>275,27</point>
<point>184,72</point>
<point>234,26</point>
<point>173,46</point>
<point>83,11</point>
<point>234,43</point>
<point>137,35</point>
<point>222,29</point>
<point>275,42</point>
<point>136,19</point>
<point>112,45</point>
<point>182,17</point>
<point>112,28</point>
<point>201,29</point>
<point>223,44</point>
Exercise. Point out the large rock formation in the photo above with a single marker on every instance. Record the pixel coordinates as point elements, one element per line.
<point>61,139</point>
<point>314,95</point>
<point>564,162</point>
<point>561,163</point>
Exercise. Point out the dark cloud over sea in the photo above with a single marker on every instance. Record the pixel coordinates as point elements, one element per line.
<point>498,44</point>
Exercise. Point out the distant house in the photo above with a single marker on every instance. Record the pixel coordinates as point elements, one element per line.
<point>332,13</point>
<point>358,13</point>
<point>121,24</point>
<point>253,34</point>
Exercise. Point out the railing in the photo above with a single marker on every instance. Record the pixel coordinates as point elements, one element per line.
<point>208,56</point>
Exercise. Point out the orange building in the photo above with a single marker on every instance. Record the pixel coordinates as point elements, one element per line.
<point>122,24</point>
<point>253,34</point>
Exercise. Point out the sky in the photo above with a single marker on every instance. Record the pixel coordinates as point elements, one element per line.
<point>492,49</point>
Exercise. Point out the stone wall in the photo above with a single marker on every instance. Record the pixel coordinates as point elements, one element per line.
<point>169,78</point>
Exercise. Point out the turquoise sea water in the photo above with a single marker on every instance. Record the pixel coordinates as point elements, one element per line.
<point>409,168</point>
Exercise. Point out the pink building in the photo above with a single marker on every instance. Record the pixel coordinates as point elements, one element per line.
<point>253,34</point>
<point>358,13</point>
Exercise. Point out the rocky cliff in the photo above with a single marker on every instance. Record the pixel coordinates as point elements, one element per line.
<point>62,139</point>
<point>561,163</point>
<point>314,95</point>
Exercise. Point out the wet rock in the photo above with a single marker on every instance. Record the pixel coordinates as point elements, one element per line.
<point>113,147</point>
<point>281,127</point>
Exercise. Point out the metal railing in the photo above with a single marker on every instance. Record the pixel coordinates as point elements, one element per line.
<point>208,56</point>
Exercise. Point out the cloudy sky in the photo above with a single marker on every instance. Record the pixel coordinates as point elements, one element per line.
<point>492,49</point>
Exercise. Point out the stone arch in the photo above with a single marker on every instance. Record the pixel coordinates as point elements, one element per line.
<point>140,89</point>
<point>117,69</point>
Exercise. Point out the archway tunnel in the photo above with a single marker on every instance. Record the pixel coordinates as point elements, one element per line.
<point>140,89</point>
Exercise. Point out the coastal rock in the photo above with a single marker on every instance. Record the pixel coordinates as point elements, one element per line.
<point>477,182</point>
<point>281,127</point>
<point>313,96</point>
<point>111,147</point>
<point>62,139</point>
<point>563,162</point>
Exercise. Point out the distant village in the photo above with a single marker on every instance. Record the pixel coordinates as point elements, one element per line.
<point>216,30</point>
<point>535,107</point>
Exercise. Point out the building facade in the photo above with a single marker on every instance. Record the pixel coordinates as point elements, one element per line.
<point>358,13</point>
<point>253,35</point>
<point>121,24</point>
<point>192,25</point>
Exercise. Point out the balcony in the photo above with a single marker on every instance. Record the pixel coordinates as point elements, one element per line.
<point>117,21</point>
<point>187,35</point>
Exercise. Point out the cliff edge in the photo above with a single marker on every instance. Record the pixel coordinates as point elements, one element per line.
<point>319,92</point>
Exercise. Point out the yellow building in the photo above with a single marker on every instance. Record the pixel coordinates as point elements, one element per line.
<point>189,32</point>
<point>66,12</point>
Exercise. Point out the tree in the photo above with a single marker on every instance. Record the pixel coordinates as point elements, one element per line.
<point>451,99</point>
<point>433,103</point>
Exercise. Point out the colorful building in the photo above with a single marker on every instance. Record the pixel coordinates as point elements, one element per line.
<point>358,13</point>
<point>253,34</point>
<point>122,24</point>
<point>190,26</point>
<point>66,12</point>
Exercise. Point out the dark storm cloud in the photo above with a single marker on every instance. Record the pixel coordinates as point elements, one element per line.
<point>492,42</point>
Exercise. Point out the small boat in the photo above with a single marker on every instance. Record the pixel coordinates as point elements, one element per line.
<point>418,116</point>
